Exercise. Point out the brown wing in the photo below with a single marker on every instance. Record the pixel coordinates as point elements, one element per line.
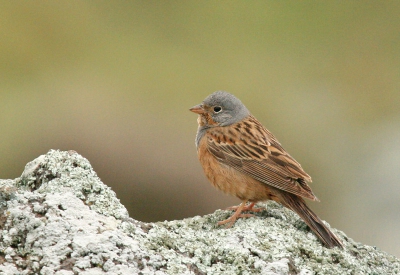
<point>251,149</point>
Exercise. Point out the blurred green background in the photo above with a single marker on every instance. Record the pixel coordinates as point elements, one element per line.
<point>114,80</point>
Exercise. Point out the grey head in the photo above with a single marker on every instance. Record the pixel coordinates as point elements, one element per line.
<point>219,109</point>
<point>223,108</point>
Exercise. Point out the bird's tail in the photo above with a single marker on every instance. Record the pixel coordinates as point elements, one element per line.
<point>298,205</point>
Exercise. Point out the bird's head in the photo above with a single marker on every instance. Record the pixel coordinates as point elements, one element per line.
<point>220,109</point>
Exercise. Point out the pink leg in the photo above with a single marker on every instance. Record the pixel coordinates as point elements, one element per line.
<point>249,207</point>
<point>238,213</point>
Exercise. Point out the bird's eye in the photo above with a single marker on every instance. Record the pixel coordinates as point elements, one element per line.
<point>217,109</point>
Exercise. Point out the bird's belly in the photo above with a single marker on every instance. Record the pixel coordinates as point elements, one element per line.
<point>231,181</point>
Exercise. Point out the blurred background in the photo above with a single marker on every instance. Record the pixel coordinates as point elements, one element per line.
<point>113,80</point>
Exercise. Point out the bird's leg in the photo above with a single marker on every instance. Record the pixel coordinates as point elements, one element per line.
<point>249,207</point>
<point>238,214</point>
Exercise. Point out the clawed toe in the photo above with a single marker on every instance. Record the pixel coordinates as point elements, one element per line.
<point>231,221</point>
<point>238,213</point>
<point>255,209</point>
<point>249,207</point>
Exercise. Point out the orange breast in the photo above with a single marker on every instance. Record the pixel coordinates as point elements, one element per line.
<point>231,181</point>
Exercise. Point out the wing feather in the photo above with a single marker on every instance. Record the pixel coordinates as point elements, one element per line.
<point>253,150</point>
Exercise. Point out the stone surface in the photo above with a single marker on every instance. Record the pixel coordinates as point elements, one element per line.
<point>59,218</point>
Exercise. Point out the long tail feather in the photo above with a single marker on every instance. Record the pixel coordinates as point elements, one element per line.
<point>299,206</point>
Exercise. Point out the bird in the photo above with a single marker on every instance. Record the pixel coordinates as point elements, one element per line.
<point>242,158</point>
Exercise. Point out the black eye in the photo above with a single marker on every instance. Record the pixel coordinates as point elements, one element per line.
<point>217,109</point>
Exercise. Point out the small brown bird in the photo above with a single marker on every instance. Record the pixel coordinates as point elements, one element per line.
<point>242,158</point>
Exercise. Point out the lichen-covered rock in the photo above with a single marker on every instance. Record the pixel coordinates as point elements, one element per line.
<point>59,218</point>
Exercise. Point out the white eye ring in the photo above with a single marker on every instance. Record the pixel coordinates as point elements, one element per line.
<point>217,109</point>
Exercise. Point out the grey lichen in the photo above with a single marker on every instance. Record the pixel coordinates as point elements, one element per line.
<point>59,218</point>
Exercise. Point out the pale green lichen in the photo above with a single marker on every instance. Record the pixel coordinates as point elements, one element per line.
<point>58,170</point>
<point>59,218</point>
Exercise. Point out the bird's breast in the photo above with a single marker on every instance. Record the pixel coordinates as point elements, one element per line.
<point>229,180</point>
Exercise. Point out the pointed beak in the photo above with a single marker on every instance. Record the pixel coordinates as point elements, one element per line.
<point>198,109</point>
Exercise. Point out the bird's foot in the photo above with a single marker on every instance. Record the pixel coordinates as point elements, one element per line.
<point>231,221</point>
<point>238,213</point>
<point>249,207</point>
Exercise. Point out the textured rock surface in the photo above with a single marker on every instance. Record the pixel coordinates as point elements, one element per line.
<point>59,218</point>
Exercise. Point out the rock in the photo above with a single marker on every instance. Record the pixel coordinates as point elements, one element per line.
<point>59,218</point>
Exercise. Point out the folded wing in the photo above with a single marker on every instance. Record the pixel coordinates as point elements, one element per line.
<point>253,150</point>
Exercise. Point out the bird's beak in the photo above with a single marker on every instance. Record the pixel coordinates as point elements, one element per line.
<point>198,109</point>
